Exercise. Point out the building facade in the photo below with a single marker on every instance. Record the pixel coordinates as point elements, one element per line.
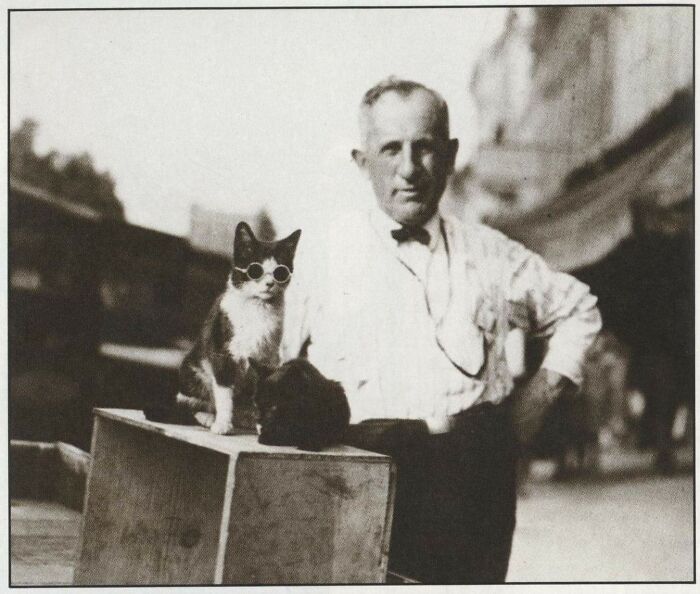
<point>564,84</point>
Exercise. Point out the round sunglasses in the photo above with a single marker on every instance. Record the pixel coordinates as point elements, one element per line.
<point>255,271</point>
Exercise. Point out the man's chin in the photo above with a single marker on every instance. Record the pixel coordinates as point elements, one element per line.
<point>417,217</point>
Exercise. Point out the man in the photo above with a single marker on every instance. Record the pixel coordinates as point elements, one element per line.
<point>410,312</point>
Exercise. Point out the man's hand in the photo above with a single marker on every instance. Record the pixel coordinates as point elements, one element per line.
<point>533,401</point>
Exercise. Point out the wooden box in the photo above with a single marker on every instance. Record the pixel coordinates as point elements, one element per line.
<point>170,504</point>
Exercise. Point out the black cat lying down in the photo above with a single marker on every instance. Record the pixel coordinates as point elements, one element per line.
<point>298,406</point>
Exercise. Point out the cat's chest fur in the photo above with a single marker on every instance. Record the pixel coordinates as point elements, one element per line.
<point>256,327</point>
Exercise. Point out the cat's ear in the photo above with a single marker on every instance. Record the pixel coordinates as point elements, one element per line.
<point>262,371</point>
<point>243,241</point>
<point>287,247</point>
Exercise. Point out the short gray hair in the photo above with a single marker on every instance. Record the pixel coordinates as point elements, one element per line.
<point>404,88</point>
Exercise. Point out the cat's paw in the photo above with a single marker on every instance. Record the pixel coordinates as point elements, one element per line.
<point>222,428</point>
<point>205,419</point>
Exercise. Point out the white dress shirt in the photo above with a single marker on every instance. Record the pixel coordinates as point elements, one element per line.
<point>418,332</point>
<point>428,262</point>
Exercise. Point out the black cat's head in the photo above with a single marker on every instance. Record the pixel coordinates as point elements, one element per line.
<point>298,406</point>
<point>262,269</point>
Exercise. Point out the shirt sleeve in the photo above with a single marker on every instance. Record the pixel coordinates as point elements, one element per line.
<point>553,305</point>
<point>296,332</point>
<point>300,306</point>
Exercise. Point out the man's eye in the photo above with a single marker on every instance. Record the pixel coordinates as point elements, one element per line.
<point>425,148</point>
<point>391,149</point>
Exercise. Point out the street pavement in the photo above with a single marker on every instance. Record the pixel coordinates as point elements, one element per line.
<point>625,524</point>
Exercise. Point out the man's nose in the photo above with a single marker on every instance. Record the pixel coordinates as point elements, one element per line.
<point>408,168</point>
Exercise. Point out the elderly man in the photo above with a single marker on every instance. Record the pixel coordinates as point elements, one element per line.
<point>409,310</point>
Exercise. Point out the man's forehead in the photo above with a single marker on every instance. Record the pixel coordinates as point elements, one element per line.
<point>417,112</point>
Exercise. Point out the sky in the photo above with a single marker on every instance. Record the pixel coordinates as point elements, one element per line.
<point>233,110</point>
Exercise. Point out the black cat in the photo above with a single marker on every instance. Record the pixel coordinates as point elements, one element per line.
<point>298,406</point>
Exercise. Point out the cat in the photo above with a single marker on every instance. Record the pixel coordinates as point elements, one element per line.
<point>298,406</point>
<point>245,321</point>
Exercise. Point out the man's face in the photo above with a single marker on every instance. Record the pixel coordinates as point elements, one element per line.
<point>407,156</point>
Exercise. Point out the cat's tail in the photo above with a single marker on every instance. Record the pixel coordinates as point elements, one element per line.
<point>180,412</point>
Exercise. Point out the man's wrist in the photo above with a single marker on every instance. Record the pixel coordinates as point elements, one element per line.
<point>555,379</point>
<point>556,384</point>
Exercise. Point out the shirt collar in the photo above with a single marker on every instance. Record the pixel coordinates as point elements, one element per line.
<point>384,225</point>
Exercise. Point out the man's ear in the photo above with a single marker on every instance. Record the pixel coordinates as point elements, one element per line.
<point>451,157</point>
<point>359,157</point>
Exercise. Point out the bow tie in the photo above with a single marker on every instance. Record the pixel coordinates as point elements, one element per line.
<point>408,232</point>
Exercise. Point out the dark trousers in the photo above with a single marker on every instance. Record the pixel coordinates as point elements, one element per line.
<point>454,512</point>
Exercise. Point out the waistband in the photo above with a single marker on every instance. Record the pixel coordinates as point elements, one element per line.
<point>431,426</point>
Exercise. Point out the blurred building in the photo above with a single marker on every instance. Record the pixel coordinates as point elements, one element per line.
<point>583,111</point>
<point>501,79</point>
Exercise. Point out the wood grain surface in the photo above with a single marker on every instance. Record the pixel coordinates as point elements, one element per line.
<point>310,522</point>
<point>153,509</point>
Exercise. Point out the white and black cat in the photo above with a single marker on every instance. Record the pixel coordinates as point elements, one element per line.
<point>298,406</point>
<point>244,322</point>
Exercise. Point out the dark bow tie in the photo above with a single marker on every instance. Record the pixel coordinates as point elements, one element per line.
<point>408,232</point>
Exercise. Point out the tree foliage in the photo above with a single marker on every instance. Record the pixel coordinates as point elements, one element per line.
<point>72,177</point>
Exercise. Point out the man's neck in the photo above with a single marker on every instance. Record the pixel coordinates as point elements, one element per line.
<point>382,219</point>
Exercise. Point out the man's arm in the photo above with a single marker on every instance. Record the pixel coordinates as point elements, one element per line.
<point>300,303</point>
<point>296,335</point>
<point>554,305</point>
<point>535,398</point>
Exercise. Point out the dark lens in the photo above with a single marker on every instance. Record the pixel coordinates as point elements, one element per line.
<point>255,271</point>
<point>281,274</point>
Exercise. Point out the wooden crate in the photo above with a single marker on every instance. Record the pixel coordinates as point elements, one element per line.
<point>169,504</point>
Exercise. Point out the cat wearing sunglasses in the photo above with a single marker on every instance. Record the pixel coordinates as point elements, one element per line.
<point>244,323</point>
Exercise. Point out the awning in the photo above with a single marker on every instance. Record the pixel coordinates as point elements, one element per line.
<point>580,226</point>
<point>30,192</point>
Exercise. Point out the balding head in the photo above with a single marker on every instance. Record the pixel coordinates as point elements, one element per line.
<point>403,88</point>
